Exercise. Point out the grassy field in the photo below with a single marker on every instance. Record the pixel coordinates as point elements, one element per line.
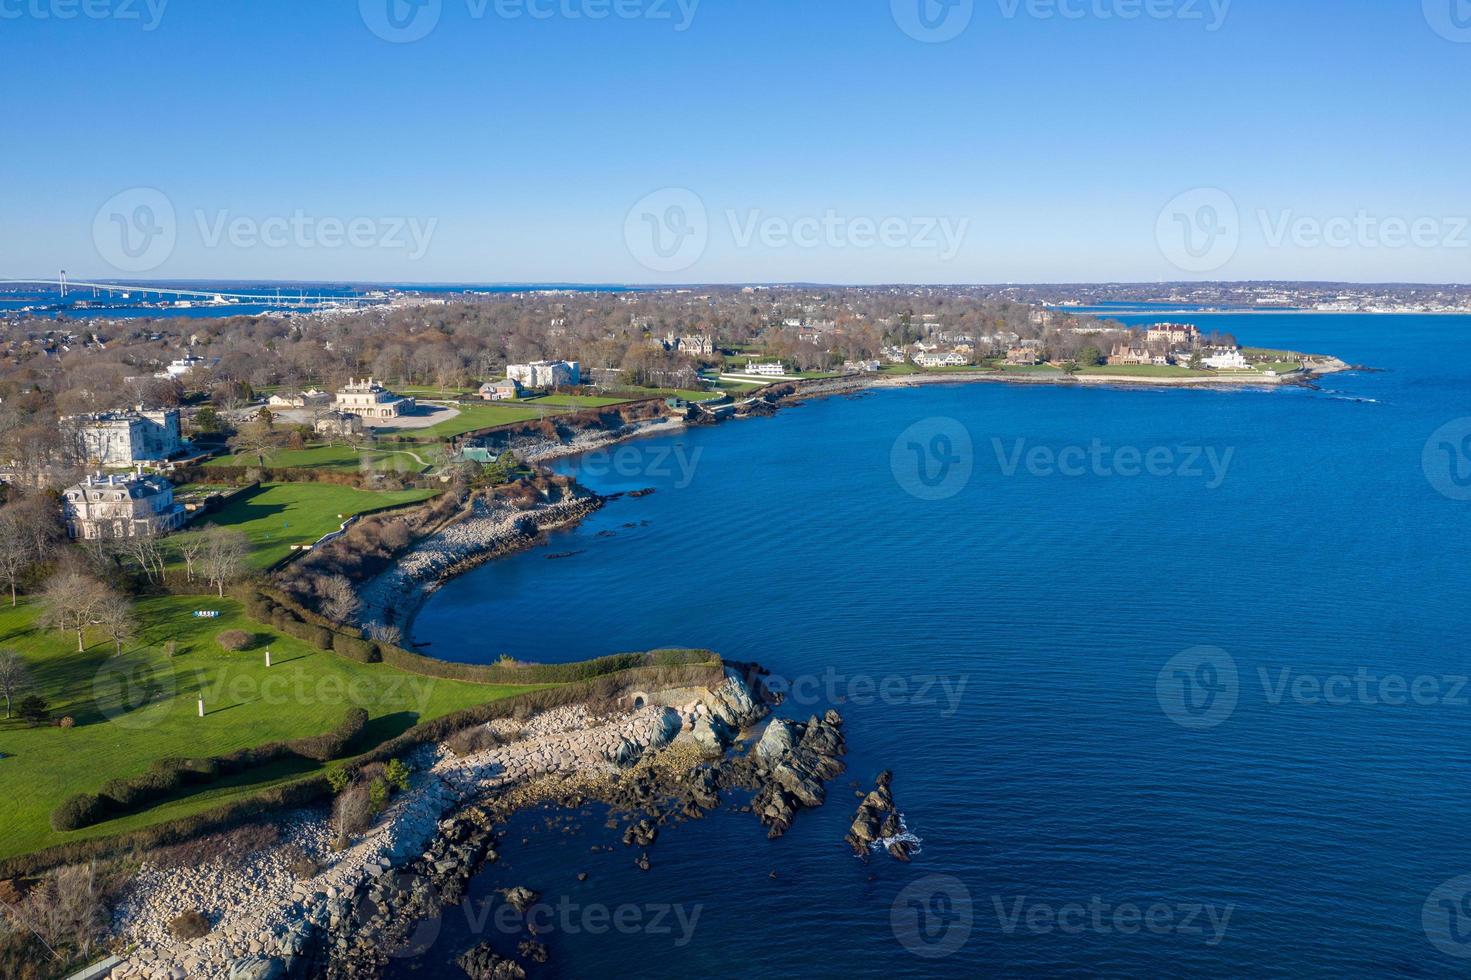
<point>474,417</point>
<point>578,401</point>
<point>1147,371</point>
<point>134,709</point>
<point>333,457</point>
<point>280,515</point>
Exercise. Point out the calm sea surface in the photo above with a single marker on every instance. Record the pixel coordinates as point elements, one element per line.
<point>1015,628</point>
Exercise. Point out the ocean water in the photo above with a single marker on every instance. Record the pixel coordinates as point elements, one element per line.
<point>1171,681</point>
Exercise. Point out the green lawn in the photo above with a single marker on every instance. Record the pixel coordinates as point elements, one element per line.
<point>474,417</point>
<point>577,401</point>
<point>1148,371</point>
<point>280,515</point>
<point>134,709</point>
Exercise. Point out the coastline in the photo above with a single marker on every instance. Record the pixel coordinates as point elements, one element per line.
<point>396,596</point>
<point>348,914</point>
<point>654,756</point>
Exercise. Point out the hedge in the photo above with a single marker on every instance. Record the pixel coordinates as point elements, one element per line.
<point>167,776</point>
<point>296,620</point>
<point>314,788</point>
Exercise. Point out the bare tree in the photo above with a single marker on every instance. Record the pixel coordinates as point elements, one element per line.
<point>189,546</point>
<point>14,676</point>
<point>339,600</point>
<point>258,439</point>
<point>223,557</point>
<point>17,548</point>
<point>70,603</point>
<point>114,614</point>
<point>146,550</point>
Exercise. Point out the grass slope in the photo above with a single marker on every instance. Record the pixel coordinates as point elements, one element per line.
<point>280,515</point>
<point>134,709</point>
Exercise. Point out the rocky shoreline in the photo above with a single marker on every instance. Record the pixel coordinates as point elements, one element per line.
<point>662,757</point>
<point>487,532</point>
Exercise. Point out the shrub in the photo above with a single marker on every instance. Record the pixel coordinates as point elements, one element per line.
<point>81,810</point>
<point>329,745</point>
<point>353,648</point>
<point>67,722</point>
<point>396,774</point>
<point>469,741</point>
<point>378,793</point>
<point>301,864</point>
<point>33,709</point>
<point>190,925</point>
<point>234,640</point>
<point>339,779</point>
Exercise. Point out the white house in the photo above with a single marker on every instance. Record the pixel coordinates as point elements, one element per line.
<point>1226,360</point>
<point>121,506</point>
<point>370,400</point>
<point>932,360</point>
<point>546,374</point>
<point>125,438</point>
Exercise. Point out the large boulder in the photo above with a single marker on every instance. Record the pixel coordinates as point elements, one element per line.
<point>257,968</point>
<point>777,741</point>
<point>711,735</point>
<point>731,702</point>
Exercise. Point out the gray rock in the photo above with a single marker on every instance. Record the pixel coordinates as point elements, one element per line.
<point>257,968</point>
<point>776,741</point>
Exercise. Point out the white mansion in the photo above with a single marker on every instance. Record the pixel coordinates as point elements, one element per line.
<point>121,506</point>
<point>546,374</point>
<point>370,400</point>
<point>125,438</point>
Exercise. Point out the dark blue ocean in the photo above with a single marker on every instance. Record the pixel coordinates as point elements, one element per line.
<point>1172,681</point>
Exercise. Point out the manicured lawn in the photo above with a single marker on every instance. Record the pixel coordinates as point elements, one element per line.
<point>134,709</point>
<point>280,515</point>
<point>1030,369</point>
<point>577,401</point>
<point>1147,371</point>
<point>382,459</point>
<point>474,417</point>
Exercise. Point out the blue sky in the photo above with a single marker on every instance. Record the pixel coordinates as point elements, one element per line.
<point>737,140</point>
